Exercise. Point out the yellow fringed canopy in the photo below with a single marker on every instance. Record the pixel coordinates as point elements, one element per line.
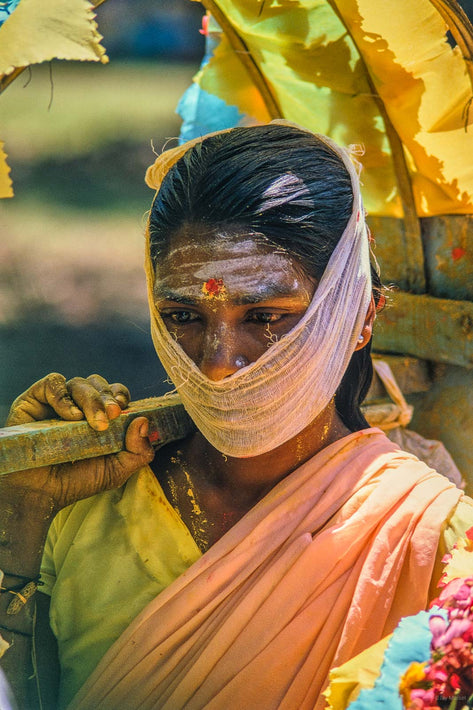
<point>379,74</point>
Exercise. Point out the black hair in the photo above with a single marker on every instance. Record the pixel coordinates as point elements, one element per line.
<point>279,182</point>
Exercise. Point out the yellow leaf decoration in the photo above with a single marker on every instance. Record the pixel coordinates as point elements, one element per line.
<point>357,673</point>
<point>460,563</point>
<point>41,30</point>
<point>6,189</point>
<point>379,74</point>
<point>38,31</point>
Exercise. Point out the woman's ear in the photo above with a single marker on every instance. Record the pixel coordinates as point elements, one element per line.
<point>367,330</point>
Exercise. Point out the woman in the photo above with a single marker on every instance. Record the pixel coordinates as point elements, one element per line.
<point>283,536</point>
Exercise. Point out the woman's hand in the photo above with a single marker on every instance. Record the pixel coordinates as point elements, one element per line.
<point>53,396</point>
<point>30,499</point>
<point>97,401</point>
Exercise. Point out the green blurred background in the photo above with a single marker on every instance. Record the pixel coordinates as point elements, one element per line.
<point>79,137</point>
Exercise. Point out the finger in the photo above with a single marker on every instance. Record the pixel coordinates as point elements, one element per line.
<point>90,401</point>
<point>137,438</point>
<point>113,408</point>
<point>45,399</point>
<point>121,394</point>
<point>24,411</point>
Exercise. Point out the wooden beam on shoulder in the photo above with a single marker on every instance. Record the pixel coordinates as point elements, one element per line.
<point>55,441</point>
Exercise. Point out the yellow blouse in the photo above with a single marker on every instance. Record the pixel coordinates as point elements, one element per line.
<point>108,556</point>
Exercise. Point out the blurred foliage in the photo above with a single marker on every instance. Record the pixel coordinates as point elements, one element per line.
<point>72,287</point>
<point>67,107</point>
<point>152,29</point>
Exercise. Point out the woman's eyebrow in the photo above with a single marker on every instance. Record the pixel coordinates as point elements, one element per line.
<point>168,295</point>
<point>264,293</point>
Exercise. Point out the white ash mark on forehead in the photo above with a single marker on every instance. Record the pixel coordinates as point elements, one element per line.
<point>243,266</point>
<point>179,250</point>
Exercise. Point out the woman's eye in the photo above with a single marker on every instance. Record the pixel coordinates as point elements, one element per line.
<point>265,317</point>
<point>181,316</point>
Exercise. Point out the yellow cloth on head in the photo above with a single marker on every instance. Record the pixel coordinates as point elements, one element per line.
<point>106,557</point>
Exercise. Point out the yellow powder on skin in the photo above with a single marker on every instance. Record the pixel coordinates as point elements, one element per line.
<point>196,519</point>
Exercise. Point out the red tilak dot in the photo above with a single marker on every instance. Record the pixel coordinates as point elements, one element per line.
<point>205,25</point>
<point>213,287</point>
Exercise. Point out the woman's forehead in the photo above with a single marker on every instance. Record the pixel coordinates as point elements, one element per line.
<point>197,248</point>
<point>242,262</point>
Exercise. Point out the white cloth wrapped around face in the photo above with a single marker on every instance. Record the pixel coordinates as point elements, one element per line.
<point>271,400</point>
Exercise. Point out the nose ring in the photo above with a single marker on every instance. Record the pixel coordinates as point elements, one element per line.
<point>241,361</point>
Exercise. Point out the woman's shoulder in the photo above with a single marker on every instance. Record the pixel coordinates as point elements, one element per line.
<point>74,515</point>
<point>407,449</point>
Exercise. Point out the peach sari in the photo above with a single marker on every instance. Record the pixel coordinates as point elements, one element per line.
<point>323,567</point>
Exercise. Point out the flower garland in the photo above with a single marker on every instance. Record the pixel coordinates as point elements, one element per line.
<point>428,663</point>
<point>445,680</point>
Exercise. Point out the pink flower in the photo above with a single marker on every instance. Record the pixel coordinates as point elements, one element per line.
<point>468,635</point>
<point>427,697</point>
<point>463,596</point>
<point>442,637</point>
<point>437,626</point>
<point>448,675</point>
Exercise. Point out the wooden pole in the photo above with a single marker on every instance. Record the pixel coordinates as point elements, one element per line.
<point>56,441</point>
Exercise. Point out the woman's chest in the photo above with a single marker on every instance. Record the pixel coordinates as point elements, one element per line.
<point>207,511</point>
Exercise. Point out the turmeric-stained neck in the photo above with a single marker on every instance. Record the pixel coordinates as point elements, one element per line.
<point>211,491</point>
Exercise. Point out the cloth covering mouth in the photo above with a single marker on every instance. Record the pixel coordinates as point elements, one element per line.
<point>271,400</point>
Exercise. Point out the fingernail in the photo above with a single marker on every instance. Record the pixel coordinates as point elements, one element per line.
<point>75,410</point>
<point>144,428</point>
<point>101,419</point>
<point>113,409</point>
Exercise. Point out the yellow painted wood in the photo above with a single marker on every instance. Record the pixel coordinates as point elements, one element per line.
<point>55,441</point>
<point>436,329</point>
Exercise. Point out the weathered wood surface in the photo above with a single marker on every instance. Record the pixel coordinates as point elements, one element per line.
<point>437,325</point>
<point>411,375</point>
<point>447,258</point>
<point>54,441</point>
<point>436,329</point>
<point>448,248</point>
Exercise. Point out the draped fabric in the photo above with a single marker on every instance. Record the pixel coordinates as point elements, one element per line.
<point>323,567</point>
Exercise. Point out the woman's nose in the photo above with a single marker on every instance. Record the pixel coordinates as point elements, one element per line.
<point>221,356</point>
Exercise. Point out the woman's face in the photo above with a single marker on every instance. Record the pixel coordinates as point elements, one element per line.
<point>227,297</point>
